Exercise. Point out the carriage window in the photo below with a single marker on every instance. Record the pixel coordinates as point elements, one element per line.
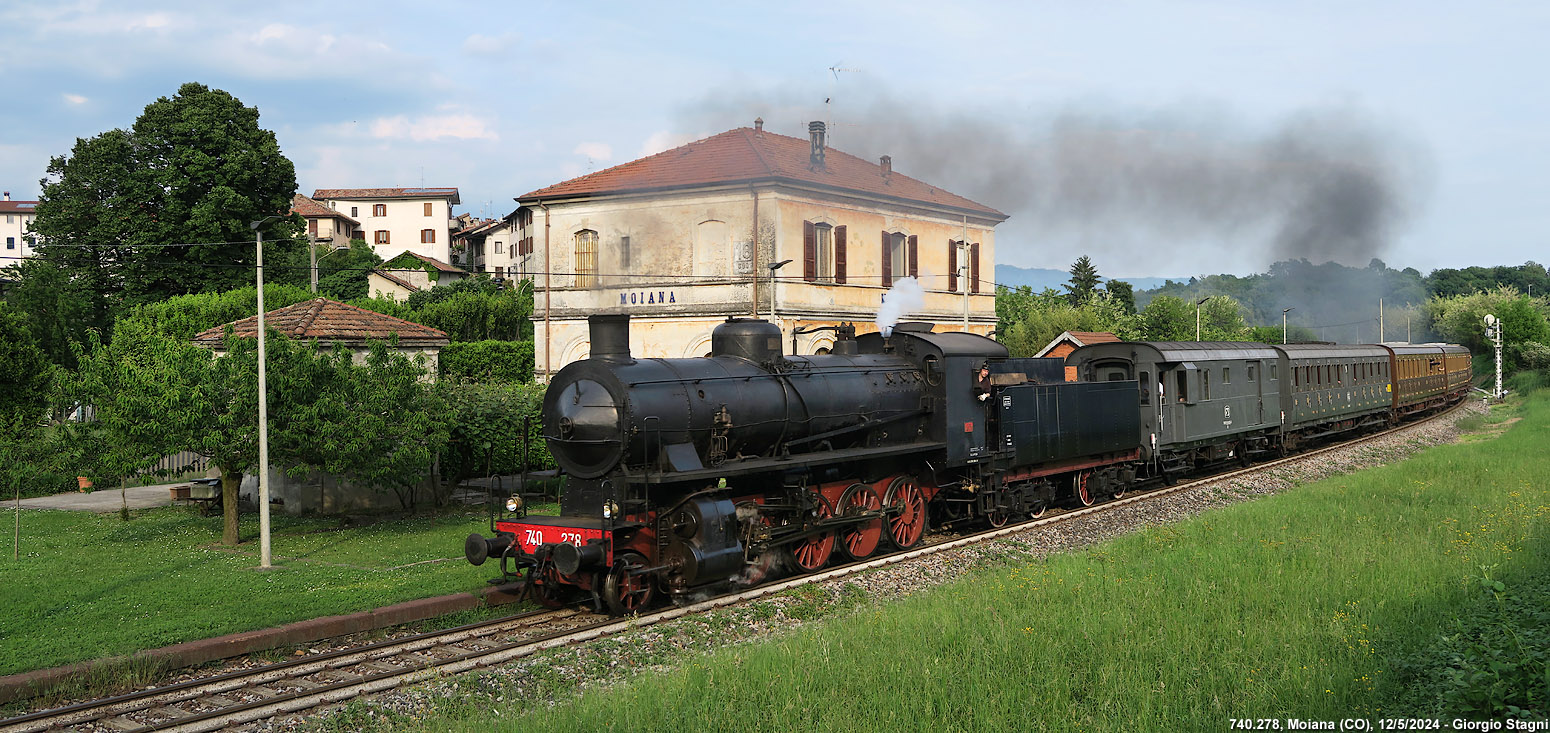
<point>1183,390</point>
<point>1251,372</point>
<point>1205,384</point>
<point>1274,369</point>
<point>1146,388</point>
<point>1226,375</point>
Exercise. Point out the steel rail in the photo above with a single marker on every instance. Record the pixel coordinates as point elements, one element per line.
<point>386,679</point>
<point>237,679</point>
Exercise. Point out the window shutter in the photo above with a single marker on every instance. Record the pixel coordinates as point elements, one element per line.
<point>839,254</point>
<point>312,227</point>
<point>974,267</point>
<point>952,266</point>
<point>914,261</point>
<point>809,252</point>
<point>887,262</point>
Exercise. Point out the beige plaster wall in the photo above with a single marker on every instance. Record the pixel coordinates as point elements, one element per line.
<point>693,257</point>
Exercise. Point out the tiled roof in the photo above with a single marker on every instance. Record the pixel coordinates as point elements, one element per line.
<point>396,280</point>
<point>312,209</point>
<point>746,155</point>
<point>329,321</point>
<point>433,262</point>
<point>387,193</point>
<point>476,227</point>
<point>17,207</point>
<point>1079,338</point>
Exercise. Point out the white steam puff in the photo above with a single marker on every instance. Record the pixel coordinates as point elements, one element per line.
<point>905,296</point>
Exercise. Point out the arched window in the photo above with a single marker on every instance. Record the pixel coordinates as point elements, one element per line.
<point>586,258</point>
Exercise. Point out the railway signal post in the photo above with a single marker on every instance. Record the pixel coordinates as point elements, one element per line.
<point>1493,331</point>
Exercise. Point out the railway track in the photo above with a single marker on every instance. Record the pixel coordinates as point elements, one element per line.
<point>247,696</point>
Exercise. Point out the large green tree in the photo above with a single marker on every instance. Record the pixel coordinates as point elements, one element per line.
<point>25,375</point>
<point>116,212</point>
<point>1459,319</point>
<point>1084,279</point>
<point>1167,318</point>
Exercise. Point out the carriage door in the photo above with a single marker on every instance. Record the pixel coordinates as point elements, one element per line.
<point>1257,378</point>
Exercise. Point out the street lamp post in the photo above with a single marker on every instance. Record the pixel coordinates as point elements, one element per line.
<point>773,267</point>
<point>263,404</point>
<point>1284,311</point>
<point>1198,303</point>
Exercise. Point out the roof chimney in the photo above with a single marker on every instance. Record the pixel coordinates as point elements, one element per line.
<point>815,131</point>
<point>887,163</point>
<point>758,124</point>
<point>7,195</point>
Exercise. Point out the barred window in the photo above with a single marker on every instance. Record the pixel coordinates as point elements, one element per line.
<point>586,258</point>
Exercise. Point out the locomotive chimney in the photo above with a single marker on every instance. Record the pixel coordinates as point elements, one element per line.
<point>610,336</point>
<point>815,131</point>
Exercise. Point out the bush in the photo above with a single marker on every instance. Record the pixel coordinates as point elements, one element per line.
<point>1493,662</point>
<point>487,430</point>
<point>474,309</point>
<point>185,315</point>
<point>1525,382</point>
<point>488,362</point>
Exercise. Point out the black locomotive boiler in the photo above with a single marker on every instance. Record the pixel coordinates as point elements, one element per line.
<point>693,475</point>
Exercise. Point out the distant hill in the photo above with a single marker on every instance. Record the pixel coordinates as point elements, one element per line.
<point>1040,278</point>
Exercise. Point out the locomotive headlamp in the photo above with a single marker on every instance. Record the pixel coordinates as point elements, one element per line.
<point>513,503</point>
<point>610,509</point>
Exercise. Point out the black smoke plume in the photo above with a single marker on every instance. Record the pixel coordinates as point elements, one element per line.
<point>1163,192</point>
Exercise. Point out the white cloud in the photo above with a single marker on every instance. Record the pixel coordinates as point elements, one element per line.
<point>75,99</point>
<point>431,127</point>
<point>479,44</point>
<point>595,151</point>
<point>154,21</point>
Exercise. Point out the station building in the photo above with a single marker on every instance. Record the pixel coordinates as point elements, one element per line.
<point>747,223</point>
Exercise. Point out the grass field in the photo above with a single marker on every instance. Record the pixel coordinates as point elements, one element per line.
<point>92,585</point>
<point>1339,599</point>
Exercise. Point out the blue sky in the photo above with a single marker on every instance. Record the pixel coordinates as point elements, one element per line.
<point>1161,138</point>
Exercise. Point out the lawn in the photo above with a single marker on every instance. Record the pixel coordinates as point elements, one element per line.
<point>1339,599</point>
<point>92,585</point>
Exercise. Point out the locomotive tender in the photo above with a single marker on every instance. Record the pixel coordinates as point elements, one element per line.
<point>692,476</point>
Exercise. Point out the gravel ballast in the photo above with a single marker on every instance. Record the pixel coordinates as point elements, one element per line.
<point>558,675</point>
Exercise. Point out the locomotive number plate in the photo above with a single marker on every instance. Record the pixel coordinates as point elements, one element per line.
<point>533,536</point>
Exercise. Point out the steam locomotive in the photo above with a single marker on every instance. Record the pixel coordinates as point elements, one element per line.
<point>694,476</point>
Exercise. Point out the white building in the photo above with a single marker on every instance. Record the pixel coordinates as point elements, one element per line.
<point>398,220</point>
<point>13,229</point>
<point>327,226</point>
<point>410,273</point>
<point>687,237</point>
